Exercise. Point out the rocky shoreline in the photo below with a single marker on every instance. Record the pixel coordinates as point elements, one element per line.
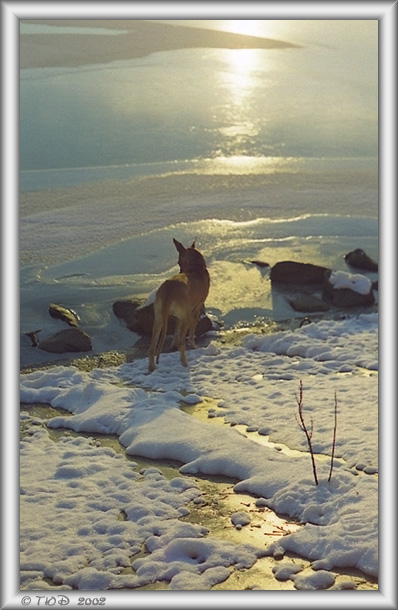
<point>308,288</point>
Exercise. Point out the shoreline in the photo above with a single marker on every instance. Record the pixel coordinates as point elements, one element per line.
<point>224,337</point>
<point>141,39</point>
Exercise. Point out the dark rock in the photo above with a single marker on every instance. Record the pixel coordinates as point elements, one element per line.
<point>260,264</point>
<point>125,310</point>
<point>360,260</point>
<point>203,326</point>
<point>139,319</point>
<point>33,337</point>
<point>308,303</point>
<point>297,273</point>
<point>69,340</point>
<point>345,297</point>
<point>64,314</point>
<point>144,321</point>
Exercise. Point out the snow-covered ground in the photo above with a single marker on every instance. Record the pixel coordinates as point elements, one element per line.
<point>86,512</point>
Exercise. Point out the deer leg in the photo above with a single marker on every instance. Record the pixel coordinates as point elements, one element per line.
<point>192,327</point>
<point>161,343</point>
<point>154,343</point>
<point>182,346</point>
<point>177,334</point>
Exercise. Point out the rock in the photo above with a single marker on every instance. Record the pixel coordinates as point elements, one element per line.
<point>203,326</point>
<point>308,303</point>
<point>69,340</point>
<point>144,321</point>
<point>346,297</point>
<point>360,260</point>
<point>297,273</point>
<point>64,314</point>
<point>33,337</point>
<point>260,264</point>
<point>139,319</point>
<point>305,321</point>
<point>125,310</point>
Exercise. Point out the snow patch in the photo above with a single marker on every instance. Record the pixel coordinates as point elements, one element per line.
<point>353,281</point>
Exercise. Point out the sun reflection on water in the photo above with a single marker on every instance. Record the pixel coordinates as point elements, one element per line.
<point>240,77</point>
<point>239,123</point>
<point>246,164</point>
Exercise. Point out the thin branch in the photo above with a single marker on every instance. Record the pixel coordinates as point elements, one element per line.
<point>311,429</point>
<point>334,437</point>
<point>304,429</point>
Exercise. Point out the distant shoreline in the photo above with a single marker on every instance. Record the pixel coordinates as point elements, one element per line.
<point>142,38</point>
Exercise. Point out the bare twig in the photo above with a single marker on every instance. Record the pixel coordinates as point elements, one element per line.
<point>334,437</point>
<point>307,433</point>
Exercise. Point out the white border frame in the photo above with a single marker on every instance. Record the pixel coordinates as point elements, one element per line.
<point>386,13</point>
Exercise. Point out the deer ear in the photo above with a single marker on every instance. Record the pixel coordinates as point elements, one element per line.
<point>193,244</point>
<point>179,246</point>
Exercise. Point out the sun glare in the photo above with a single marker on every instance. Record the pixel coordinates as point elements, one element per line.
<point>249,27</point>
<point>264,28</point>
<point>240,77</point>
<point>240,80</point>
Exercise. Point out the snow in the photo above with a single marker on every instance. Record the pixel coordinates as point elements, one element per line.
<point>354,281</point>
<point>317,580</point>
<point>240,519</point>
<point>82,491</point>
<point>286,570</point>
<point>71,508</point>
<point>195,556</point>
